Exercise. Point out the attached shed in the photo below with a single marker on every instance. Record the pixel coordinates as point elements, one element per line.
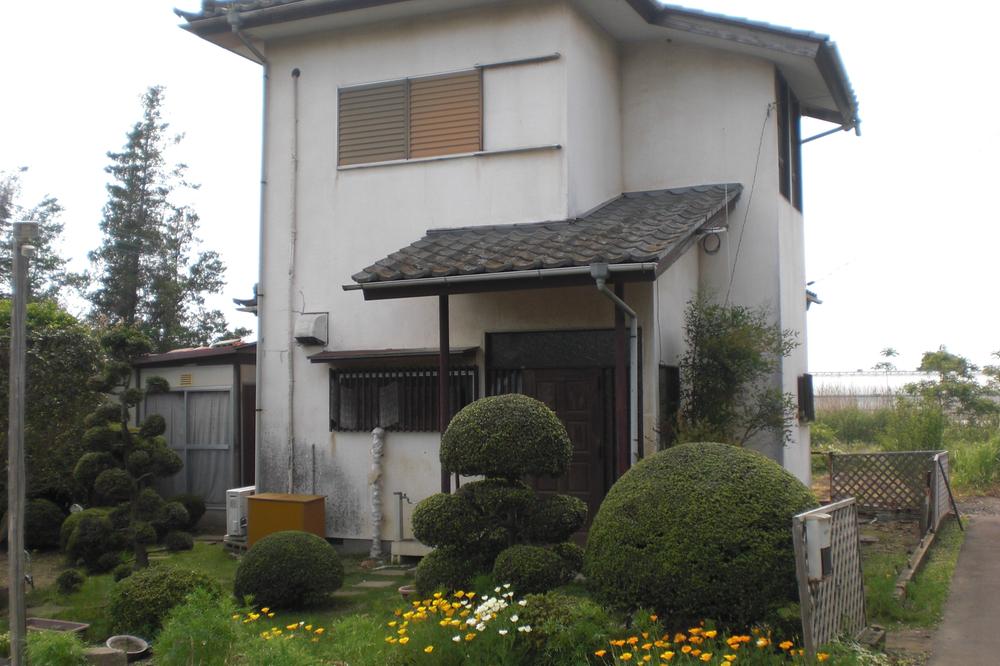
<point>210,412</point>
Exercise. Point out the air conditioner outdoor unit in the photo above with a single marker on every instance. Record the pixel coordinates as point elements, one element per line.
<point>236,510</point>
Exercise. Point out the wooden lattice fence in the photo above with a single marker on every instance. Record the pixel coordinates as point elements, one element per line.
<point>893,481</point>
<point>834,606</point>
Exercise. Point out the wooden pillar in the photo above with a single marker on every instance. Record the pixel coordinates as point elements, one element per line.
<point>444,404</point>
<point>622,453</point>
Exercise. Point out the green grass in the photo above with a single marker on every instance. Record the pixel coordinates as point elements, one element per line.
<point>925,595</point>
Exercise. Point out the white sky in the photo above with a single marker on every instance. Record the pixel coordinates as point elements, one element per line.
<point>902,234</point>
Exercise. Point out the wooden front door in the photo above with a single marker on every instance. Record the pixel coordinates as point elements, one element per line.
<point>575,395</point>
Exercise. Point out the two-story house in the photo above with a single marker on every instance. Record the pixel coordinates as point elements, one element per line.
<point>461,176</point>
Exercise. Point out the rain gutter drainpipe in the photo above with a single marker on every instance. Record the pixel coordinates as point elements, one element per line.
<point>293,233</point>
<point>234,20</point>
<point>601,273</point>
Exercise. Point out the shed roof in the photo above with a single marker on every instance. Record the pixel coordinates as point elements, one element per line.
<point>637,231</point>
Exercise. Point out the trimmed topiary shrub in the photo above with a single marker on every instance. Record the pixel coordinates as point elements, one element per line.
<point>107,562</point>
<point>176,541</point>
<point>73,519</point>
<point>140,602</point>
<point>172,517</point>
<point>531,569</point>
<point>113,485</point>
<point>506,436</point>
<point>121,572</point>
<point>195,505</point>
<point>92,537</point>
<point>446,569</point>
<point>69,581</point>
<point>698,531</point>
<point>554,518</point>
<point>444,519</point>
<point>571,555</point>
<point>288,570</point>
<point>42,522</point>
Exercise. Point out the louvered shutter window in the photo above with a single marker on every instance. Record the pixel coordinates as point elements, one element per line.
<point>424,117</point>
<point>373,123</point>
<point>445,114</point>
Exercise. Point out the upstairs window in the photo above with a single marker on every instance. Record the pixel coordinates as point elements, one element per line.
<point>789,143</point>
<point>411,118</point>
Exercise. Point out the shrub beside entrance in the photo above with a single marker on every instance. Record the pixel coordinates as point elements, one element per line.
<point>699,530</point>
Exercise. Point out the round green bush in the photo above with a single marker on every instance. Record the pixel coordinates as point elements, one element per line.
<point>101,438</point>
<point>446,569</point>
<point>143,533</point>
<point>121,572</point>
<point>172,517</point>
<point>107,562</point>
<point>445,520</point>
<point>121,515</point>
<point>69,581</point>
<point>92,537</point>
<point>153,425</point>
<point>195,505</point>
<point>113,485</point>
<point>148,504</point>
<point>165,462</point>
<point>530,569</point>
<point>42,522</point>
<point>138,463</point>
<point>289,569</point>
<point>554,518</point>
<point>139,603</point>
<point>90,465</point>
<point>698,531</point>
<point>176,541</point>
<point>506,436</point>
<point>109,412</point>
<point>571,555</point>
<point>73,519</point>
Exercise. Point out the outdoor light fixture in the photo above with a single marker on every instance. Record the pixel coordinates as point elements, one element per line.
<point>711,242</point>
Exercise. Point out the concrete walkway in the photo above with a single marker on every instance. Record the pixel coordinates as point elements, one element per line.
<point>970,631</point>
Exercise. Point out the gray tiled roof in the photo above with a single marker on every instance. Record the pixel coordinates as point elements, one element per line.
<point>636,227</point>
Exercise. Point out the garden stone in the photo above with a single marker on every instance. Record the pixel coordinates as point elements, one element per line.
<point>105,656</point>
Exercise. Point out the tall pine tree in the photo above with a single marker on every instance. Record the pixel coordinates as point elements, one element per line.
<point>148,273</point>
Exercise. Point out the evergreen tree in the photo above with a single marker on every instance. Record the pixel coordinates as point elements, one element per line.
<point>148,272</point>
<point>47,274</point>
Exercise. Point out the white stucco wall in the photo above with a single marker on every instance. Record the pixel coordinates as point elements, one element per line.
<point>627,117</point>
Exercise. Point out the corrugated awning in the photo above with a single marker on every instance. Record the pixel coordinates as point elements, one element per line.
<point>639,234</point>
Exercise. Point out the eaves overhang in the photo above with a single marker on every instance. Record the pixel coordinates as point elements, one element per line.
<point>809,61</point>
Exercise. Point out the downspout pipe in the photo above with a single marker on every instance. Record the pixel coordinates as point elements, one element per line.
<point>234,21</point>
<point>601,273</point>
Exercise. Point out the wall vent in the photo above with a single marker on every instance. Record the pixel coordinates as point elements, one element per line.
<point>187,379</point>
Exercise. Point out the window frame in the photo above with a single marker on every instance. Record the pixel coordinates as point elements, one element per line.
<point>407,83</point>
<point>789,115</point>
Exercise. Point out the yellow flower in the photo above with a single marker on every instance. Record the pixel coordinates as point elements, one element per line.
<point>404,640</point>
<point>626,656</point>
<point>601,653</point>
<point>695,653</point>
<point>706,656</point>
<point>822,656</point>
<point>686,649</point>
<point>469,595</point>
<point>618,643</point>
<point>236,617</point>
<point>653,618</point>
<point>730,658</point>
<point>632,640</point>
<point>785,645</point>
<point>647,657</point>
<point>645,634</point>
<point>711,633</point>
<point>667,656</point>
<point>391,624</point>
<point>264,609</point>
<point>459,594</point>
<point>429,649</point>
<point>401,631</point>
<point>470,636</point>
<point>437,595</point>
<point>270,614</point>
<point>660,644</point>
<point>309,627</point>
<point>679,638</point>
<point>320,630</point>
<point>646,646</point>
<point>763,642</point>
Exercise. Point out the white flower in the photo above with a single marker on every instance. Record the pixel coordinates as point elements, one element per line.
<point>502,632</point>
<point>513,618</point>
<point>480,626</point>
<point>470,621</point>
<point>506,585</point>
<point>496,589</point>
<point>522,602</point>
<point>526,628</point>
<point>457,639</point>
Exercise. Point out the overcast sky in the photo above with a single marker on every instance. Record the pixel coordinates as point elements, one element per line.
<point>902,234</point>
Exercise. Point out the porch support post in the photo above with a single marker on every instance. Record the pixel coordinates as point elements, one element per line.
<point>444,404</point>
<point>622,455</point>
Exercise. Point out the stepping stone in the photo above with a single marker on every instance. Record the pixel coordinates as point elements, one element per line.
<point>373,583</point>
<point>46,610</point>
<point>347,593</point>
<point>389,572</point>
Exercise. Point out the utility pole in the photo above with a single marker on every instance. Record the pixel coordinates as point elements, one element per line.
<point>24,234</point>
